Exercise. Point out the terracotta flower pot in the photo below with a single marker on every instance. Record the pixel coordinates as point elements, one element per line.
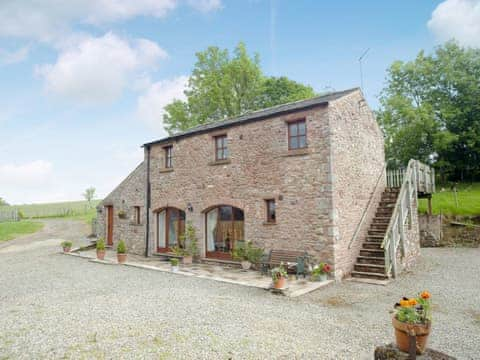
<point>187,260</point>
<point>67,249</point>
<point>246,265</point>
<point>100,254</point>
<point>280,283</point>
<point>121,258</point>
<point>403,330</point>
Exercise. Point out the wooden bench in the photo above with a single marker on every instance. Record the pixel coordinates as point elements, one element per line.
<point>277,257</point>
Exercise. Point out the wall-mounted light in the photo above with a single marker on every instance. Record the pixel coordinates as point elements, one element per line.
<point>190,207</point>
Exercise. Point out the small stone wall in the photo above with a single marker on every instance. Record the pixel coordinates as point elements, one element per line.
<point>440,230</point>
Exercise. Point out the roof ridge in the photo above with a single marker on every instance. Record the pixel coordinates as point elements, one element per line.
<point>260,113</point>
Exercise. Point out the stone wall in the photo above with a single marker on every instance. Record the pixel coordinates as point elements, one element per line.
<point>127,195</point>
<point>260,167</point>
<point>358,162</point>
<point>441,230</point>
<point>430,230</point>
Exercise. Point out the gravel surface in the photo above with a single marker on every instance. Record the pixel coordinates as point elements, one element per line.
<point>56,306</point>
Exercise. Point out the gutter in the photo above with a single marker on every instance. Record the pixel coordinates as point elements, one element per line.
<point>147,202</point>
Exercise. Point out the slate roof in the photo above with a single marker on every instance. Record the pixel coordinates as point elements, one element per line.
<point>257,115</point>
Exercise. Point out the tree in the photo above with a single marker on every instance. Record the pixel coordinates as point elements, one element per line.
<point>429,110</point>
<point>222,86</point>
<point>89,195</point>
<point>3,202</point>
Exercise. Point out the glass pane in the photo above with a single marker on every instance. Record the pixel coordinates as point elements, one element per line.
<point>226,213</point>
<point>302,141</point>
<point>293,129</point>
<point>293,143</point>
<point>237,214</point>
<point>219,154</point>
<point>161,229</point>
<point>173,228</point>
<point>225,153</point>
<point>301,128</point>
<point>271,210</point>
<point>181,215</point>
<point>211,229</point>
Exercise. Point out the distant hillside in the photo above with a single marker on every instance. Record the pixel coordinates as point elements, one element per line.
<point>71,209</point>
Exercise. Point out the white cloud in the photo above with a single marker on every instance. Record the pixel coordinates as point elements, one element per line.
<point>150,106</point>
<point>50,20</point>
<point>13,57</point>
<point>30,174</point>
<point>97,70</point>
<point>459,19</point>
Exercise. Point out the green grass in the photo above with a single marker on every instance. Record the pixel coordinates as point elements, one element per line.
<point>10,230</point>
<point>444,201</point>
<point>71,210</point>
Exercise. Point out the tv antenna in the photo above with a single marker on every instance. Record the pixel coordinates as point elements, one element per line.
<point>360,59</point>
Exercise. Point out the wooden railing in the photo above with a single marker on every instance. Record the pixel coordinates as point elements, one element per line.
<point>425,178</point>
<point>402,213</point>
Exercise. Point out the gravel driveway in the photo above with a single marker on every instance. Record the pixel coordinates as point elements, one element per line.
<point>56,306</point>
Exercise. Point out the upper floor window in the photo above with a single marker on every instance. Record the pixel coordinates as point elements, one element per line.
<point>297,135</point>
<point>168,156</point>
<point>271,213</point>
<point>221,149</point>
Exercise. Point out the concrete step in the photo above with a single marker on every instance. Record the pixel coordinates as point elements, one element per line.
<point>371,260</point>
<point>372,252</point>
<point>369,268</point>
<point>361,274</point>
<point>379,227</point>
<point>376,245</point>
<point>380,232</point>
<point>377,237</point>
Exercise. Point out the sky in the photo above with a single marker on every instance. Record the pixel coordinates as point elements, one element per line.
<point>83,83</point>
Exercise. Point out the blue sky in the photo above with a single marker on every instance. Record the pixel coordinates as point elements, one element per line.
<point>83,83</point>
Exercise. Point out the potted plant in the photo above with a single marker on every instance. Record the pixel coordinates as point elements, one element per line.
<point>413,318</point>
<point>279,276</point>
<point>189,251</point>
<point>320,272</point>
<point>100,249</point>
<point>121,252</point>
<point>247,254</point>
<point>67,246</point>
<point>174,263</point>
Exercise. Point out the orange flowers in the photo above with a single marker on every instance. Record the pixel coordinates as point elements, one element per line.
<point>404,303</point>
<point>425,295</point>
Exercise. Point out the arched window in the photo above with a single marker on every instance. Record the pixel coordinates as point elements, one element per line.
<point>170,227</point>
<point>224,226</point>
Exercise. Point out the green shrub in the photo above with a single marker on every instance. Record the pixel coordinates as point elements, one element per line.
<point>174,261</point>
<point>121,247</point>
<point>189,241</point>
<point>279,272</point>
<point>66,244</point>
<point>247,252</point>
<point>21,215</point>
<point>101,244</point>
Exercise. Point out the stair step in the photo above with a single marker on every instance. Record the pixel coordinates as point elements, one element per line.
<point>361,274</point>
<point>372,245</point>
<point>375,237</point>
<point>371,260</point>
<point>372,252</point>
<point>369,268</point>
<point>380,232</point>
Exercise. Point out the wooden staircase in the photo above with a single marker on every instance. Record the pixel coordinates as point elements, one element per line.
<point>371,261</point>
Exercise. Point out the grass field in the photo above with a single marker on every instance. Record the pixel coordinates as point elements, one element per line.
<point>468,196</point>
<point>10,230</point>
<point>71,210</point>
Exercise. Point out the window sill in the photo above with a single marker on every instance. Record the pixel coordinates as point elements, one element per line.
<point>135,224</point>
<point>298,152</point>
<point>220,162</point>
<point>267,223</point>
<point>166,170</point>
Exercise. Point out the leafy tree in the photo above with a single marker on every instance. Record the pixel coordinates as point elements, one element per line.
<point>89,195</point>
<point>3,202</point>
<point>223,86</point>
<point>430,110</point>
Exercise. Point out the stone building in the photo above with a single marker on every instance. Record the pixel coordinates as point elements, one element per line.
<point>298,176</point>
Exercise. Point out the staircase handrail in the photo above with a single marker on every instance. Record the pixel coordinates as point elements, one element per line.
<point>393,238</point>
<point>367,209</point>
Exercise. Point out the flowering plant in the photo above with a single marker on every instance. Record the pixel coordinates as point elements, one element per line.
<point>279,272</point>
<point>414,310</point>
<point>320,269</point>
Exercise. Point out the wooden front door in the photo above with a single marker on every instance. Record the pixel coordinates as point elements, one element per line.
<point>109,225</point>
